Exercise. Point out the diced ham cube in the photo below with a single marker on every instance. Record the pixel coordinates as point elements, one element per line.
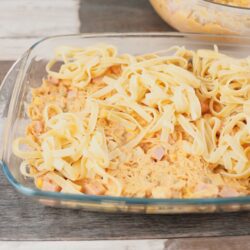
<point>158,153</point>
<point>97,80</point>
<point>206,190</point>
<point>161,192</point>
<point>53,80</point>
<point>47,185</point>
<point>72,94</point>
<point>93,187</point>
<point>228,192</point>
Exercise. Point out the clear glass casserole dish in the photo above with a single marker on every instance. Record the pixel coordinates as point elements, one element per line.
<point>28,72</point>
<point>204,16</point>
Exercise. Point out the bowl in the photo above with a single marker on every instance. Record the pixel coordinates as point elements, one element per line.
<point>204,16</point>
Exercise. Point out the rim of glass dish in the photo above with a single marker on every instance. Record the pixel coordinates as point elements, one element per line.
<point>134,34</point>
<point>128,200</point>
<point>226,5</point>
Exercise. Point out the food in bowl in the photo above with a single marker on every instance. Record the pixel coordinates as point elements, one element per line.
<point>238,3</point>
<point>205,16</point>
<point>168,124</point>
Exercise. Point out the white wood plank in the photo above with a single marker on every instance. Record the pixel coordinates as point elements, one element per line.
<point>23,22</point>
<point>209,243</point>
<point>31,18</point>
<point>80,245</point>
<point>12,48</point>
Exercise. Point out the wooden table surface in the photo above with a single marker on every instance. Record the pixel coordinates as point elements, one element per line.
<point>23,219</point>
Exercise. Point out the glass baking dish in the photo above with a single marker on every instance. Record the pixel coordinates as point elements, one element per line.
<point>204,16</point>
<point>28,72</point>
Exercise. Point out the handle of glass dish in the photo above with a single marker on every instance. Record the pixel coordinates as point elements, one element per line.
<point>6,90</point>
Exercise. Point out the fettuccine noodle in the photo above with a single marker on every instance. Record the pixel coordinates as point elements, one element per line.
<point>170,124</point>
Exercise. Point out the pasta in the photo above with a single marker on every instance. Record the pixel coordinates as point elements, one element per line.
<point>170,124</point>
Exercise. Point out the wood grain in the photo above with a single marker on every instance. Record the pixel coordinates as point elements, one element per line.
<point>4,67</point>
<point>27,18</point>
<point>23,22</point>
<point>120,16</point>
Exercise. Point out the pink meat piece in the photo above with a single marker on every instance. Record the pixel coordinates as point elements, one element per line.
<point>158,153</point>
<point>208,190</point>
<point>49,186</point>
<point>38,127</point>
<point>53,80</point>
<point>93,187</point>
<point>72,94</point>
<point>97,80</point>
<point>228,192</point>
